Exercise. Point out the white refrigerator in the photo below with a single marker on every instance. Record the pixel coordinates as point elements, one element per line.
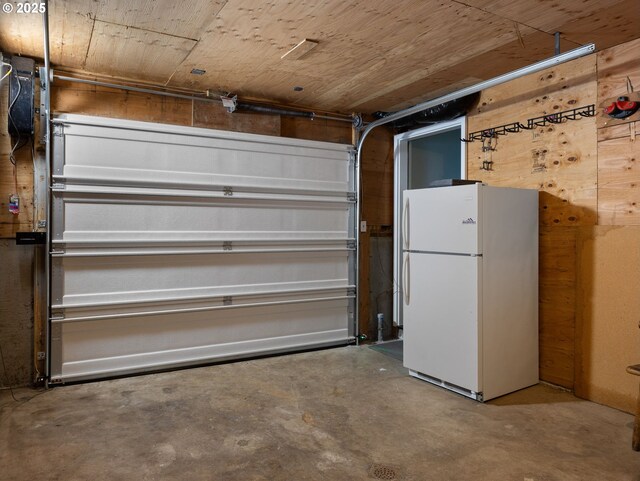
<point>470,288</point>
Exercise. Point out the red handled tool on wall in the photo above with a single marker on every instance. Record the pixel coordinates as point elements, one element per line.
<point>622,108</point>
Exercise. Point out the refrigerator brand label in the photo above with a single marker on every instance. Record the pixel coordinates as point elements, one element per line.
<point>469,221</point>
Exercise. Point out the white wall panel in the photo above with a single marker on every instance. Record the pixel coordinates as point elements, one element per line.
<point>175,245</point>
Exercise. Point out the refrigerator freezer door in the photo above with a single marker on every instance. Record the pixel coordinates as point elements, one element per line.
<point>444,219</point>
<point>441,317</point>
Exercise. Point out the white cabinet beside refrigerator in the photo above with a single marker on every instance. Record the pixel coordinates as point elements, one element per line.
<point>470,288</point>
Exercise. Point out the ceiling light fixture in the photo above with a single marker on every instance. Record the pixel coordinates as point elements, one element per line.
<point>297,88</point>
<point>198,71</point>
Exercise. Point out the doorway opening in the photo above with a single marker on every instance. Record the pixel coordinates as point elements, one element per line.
<point>423,156</point>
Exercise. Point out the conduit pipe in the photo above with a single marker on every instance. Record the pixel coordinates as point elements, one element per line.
<point>536,67</point>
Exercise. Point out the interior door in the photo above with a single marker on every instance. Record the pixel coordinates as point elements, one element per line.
<point>422,156</point>
<point>441,304</point>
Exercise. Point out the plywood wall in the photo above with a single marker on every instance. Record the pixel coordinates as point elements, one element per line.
<point>561,162</point>
<point>588,176</point>
<point>608,262</point>
<point>618,140</point>
<point>608,338</point>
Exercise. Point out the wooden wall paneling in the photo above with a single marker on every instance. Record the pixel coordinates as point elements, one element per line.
<point>616,66</point>
<point>608,337</point>
<point>557,300</point>
<point>86,99</point>
<point>619,178</point>
<point>214,116</point>
<point>377,178</point>
<point>316,129</point>
<point>560,160</point>
<point>618,140</point>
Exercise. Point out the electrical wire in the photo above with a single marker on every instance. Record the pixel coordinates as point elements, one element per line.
<point>17,145</point>
<point>9,72</point>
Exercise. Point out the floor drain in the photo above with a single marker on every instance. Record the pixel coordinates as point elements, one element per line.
<point>381,471</point>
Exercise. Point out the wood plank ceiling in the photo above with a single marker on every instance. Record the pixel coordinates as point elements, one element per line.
<point>371,54</point>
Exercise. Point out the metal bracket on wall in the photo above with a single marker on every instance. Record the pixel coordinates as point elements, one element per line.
<point>543,120</point>
<point>560,117</point>
<point>492,132</point>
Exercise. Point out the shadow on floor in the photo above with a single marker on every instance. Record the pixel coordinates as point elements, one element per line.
<point>390,348</point>
<point>539,394</point>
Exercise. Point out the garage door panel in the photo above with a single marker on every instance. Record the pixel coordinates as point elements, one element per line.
<point>133,343</point>
<point>86,217</point>
<point>126,278</point>
<point>197,180</point>
<point>170,159</point>
<point>174,246</point>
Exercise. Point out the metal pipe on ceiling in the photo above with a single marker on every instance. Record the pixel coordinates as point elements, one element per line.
<point>244,106</point>
<point>536,67</point>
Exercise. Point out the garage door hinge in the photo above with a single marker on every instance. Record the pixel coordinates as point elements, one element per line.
<point>58,130</point>
<point>57,187</point>
<point>227,300</point>
<point>351,196</point>
<point>351,244</point>
<point>227,246</point>
<point>57,315</point>
<point>351,291</point>
<point>227,190</point>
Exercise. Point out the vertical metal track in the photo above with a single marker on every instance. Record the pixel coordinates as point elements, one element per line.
<point>47,126</point>
<point>355,135</point>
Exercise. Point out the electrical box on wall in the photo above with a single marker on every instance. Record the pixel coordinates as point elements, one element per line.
<point>21,91</point>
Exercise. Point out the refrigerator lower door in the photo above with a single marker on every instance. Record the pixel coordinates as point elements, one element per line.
<point>441,299</point>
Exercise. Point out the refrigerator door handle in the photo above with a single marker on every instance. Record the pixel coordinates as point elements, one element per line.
<point>405,224</point>
<point>406,276</point>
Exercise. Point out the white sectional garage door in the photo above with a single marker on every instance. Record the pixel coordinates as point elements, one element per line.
<point>175,245</point>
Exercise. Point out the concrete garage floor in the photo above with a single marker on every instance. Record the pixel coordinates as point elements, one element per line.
<point>340,414</point>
